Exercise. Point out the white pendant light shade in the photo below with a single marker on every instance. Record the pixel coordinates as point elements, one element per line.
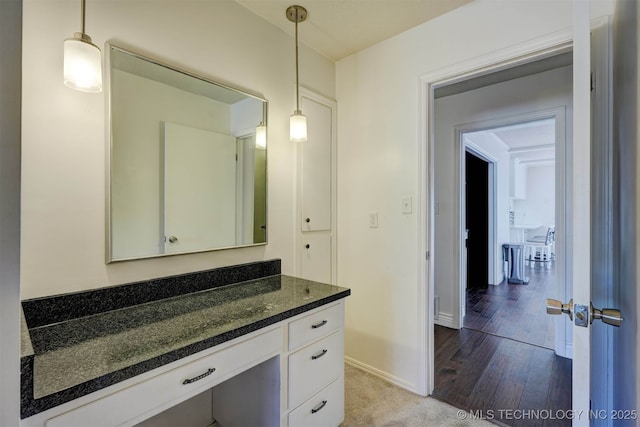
<point>298,121</point>
<point>298,127</point>
<point>261,136</point>
<point>82,64</point>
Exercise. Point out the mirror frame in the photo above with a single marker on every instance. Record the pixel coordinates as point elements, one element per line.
<point>109,152</point>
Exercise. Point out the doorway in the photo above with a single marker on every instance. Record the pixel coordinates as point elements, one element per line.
<point>476,189</point>
<point>524,188</point>
<point>593,361</point>
<point>505,358</point>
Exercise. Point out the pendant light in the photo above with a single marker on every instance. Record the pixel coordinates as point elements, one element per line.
<point>261,136</point>
<point>298,121</point>
<point>82,61</point>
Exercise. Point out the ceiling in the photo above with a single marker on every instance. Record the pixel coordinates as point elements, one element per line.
<point>531,143</point>
<point>527,135</point>
<point>339,28</point>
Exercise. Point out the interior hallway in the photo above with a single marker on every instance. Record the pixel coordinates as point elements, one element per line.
<point>503,358</point>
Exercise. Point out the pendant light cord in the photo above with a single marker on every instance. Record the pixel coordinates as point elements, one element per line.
<point>297,82</point>
<point>82,12</point>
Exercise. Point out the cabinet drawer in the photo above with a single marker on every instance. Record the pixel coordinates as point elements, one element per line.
<point>315,366</point>
<point>324,409</point>
<point>315,326</point>
<point>147,398</point>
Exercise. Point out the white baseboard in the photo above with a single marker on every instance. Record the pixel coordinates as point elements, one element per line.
<point>444,319</point>
<point>381,374</point>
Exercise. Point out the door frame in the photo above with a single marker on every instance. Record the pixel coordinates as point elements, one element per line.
<point>563,344</point>
<point>512,56</point>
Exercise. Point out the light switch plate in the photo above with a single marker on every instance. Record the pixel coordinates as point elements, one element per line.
<point>373,220</point>
<point>407,205</point>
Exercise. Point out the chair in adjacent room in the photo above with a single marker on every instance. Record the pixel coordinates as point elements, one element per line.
<point>540,246</point>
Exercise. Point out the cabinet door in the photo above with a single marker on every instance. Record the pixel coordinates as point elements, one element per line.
<point>315,257</point>
<point>316,167</point>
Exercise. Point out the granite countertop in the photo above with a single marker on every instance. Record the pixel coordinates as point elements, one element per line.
<point>75,357</point>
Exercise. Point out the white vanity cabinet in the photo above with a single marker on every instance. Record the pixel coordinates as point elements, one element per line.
<point>316,369</point>
<point>290,374</point>
<point>150,397</point>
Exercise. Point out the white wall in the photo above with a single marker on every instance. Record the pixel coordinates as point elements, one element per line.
<point>540,204</point>
<point>63,198</point>
<point>378,90</point>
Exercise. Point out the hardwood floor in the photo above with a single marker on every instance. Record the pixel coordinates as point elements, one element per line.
<point>502,363</point>
<point>481,372</point>
<point>515,311</point>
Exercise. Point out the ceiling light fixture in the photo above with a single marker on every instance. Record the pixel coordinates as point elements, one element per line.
<point>298,121</point>
<point>82,61</point>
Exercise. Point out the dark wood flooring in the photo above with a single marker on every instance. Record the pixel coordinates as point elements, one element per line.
<point>515,311</point>
<point>498,364</point>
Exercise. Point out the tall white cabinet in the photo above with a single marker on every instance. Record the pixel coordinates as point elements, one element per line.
<point>316,182</point>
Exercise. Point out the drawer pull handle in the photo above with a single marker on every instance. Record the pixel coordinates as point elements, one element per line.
<point>318,325</point>
<point>199,377</point>
<point>320,406</point>
<point>319,355</point>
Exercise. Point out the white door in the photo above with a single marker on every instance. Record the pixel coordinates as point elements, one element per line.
<point>199,189</point>
<point>580,206</point>
<point>315,260</point>
<point>316,167</point>
<point>588,366</point>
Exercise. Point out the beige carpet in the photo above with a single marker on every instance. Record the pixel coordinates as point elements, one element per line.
<point>371,401</point>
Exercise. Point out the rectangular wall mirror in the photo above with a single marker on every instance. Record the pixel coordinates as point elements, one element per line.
<point>187,165</point>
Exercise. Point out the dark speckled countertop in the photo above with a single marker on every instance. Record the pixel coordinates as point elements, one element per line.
<point>78,356</point>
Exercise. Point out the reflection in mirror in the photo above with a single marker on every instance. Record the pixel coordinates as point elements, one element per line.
<point>186,173</point>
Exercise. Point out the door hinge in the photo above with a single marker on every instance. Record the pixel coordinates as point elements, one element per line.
<point>428,255</point>
<point>593,81</point>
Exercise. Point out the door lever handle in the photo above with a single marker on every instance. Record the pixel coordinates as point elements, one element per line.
<point>610,316</point>
<point>557,307</point>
